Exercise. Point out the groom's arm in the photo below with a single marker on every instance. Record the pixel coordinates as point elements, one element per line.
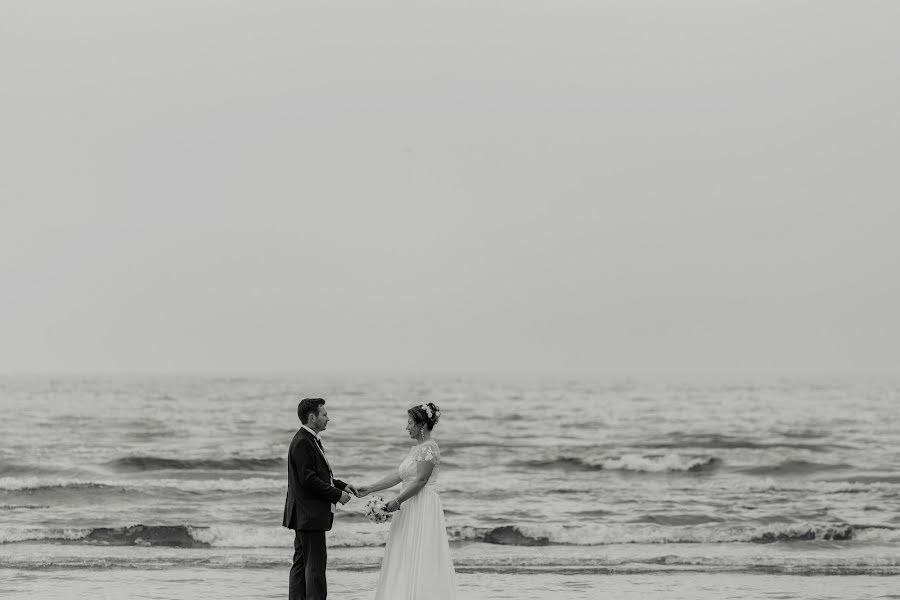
<point>348,488</point>
<point>309,478</point>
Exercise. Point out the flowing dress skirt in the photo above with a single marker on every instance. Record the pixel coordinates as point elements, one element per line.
<point>417,563</point>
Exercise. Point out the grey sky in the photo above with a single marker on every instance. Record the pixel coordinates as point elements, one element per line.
<point>510,186</point>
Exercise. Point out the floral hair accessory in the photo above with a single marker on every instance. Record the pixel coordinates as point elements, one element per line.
<point>432,412</point>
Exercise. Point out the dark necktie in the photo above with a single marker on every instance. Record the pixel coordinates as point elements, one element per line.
<point>322,448</point>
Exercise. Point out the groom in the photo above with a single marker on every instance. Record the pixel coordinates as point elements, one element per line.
<point>312,495</point>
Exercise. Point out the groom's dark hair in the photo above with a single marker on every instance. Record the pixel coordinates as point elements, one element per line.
<point>309,406</point>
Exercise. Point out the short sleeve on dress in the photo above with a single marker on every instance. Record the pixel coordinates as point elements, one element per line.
<point>429,452</point>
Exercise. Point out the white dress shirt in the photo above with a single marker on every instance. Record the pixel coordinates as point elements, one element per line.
<point>322,452</point>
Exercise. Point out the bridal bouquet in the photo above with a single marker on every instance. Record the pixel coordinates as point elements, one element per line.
<point>375,511</point>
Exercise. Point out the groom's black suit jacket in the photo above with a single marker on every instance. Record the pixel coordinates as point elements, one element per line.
<point>309,494</point>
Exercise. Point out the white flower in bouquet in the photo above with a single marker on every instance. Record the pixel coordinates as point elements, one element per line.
<point>375,510</point>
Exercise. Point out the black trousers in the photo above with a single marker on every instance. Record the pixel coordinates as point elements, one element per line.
<point>308,570</point>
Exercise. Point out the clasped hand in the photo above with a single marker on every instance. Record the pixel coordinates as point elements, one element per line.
<point>363,491</point>
<point>345,495</point>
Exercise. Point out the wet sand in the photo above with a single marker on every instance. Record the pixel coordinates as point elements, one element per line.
<point>246,584</point>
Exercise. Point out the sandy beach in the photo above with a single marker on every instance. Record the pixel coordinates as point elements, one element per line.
<point>253,584</point>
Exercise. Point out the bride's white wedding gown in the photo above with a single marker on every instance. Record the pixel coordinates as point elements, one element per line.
<point>416,563</point>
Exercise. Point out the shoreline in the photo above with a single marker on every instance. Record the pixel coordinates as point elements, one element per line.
<point>808,559</point>
<point>234,584</point>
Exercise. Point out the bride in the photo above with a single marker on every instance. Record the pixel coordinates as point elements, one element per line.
<point>417,563</point>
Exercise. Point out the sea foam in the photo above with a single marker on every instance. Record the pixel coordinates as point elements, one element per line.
<point>252,484</point>
<point>239,536</point>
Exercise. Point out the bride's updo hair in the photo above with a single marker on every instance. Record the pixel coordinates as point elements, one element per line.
<point>427,413</point>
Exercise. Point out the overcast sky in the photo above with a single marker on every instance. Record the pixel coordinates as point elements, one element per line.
<point>549,186</point>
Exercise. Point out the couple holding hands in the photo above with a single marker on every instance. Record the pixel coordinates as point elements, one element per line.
<point>416,563</point>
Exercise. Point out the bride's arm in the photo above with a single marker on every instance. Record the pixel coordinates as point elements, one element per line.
<point>423,473</point>
<point>382,484</point>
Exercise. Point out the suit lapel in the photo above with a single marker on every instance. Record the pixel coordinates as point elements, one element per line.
<point>315,443</point>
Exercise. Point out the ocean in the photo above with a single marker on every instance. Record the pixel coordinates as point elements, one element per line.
<point>173,486</point>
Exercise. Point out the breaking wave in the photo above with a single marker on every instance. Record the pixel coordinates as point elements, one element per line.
<point>133,535</point>
<point>662,464</point>
<point>794,467</point>
<point>253,484</point>
<point>864,479</point>
<point>536,563</point>
<point>669,463</point>
<point>8,469</point>
<point>157,463</point>
<point>770,484</point>
<point>237,536</point>
<point>717,441</point>
<point>599,535</point>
